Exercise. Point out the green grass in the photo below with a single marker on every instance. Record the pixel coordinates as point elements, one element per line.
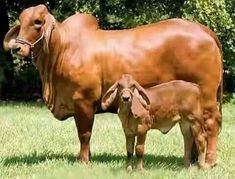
<point>35,145</point>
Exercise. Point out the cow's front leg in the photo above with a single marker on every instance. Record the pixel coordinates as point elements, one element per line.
<point>84,118</point>
<point>130,142</point>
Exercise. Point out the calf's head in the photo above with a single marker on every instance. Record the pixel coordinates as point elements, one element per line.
<point>125,89</point>
<point>27,38</point>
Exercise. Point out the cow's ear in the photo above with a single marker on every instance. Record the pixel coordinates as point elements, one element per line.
<point>9,39</point>
<point>49,26</point>
<point>109,96</point>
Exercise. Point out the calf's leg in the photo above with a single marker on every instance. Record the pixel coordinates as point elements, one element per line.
<point>188,142</point>
<point>84,118</point>
<point>139,148</point>
<point>194,153</point>
<point>130,142</point>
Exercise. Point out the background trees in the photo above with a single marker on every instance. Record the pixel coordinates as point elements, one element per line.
<point>19,80</point>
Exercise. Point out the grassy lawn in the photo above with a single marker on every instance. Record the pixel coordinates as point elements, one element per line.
<point>35,145</point>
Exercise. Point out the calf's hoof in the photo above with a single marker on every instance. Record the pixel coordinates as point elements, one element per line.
<point>187,163</point>
<point>140,168</point>
<point>129,168</point>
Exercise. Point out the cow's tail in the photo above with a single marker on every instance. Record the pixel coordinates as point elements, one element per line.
<point>220,89</point>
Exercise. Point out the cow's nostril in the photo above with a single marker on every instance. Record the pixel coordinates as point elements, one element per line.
<point>16,49</point>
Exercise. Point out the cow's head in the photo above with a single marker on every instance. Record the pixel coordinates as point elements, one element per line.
<point>33,33</point>
<point>125,88</point>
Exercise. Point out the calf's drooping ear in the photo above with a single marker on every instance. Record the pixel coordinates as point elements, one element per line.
<point>109,96</point>
<point>142,96</point>
<point>9,39</point>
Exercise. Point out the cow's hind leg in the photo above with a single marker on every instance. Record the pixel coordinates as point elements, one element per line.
<point>188,141</point>
<point>84,118</point>
<point>212,118</point>
<point>212,121</point>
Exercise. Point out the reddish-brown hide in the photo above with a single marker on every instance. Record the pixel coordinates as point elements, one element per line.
<point>78,62</point>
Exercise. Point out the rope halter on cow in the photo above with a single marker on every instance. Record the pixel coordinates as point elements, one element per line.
<point>32,45</point>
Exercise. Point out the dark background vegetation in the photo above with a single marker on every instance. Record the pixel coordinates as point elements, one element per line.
<point>19,79</point>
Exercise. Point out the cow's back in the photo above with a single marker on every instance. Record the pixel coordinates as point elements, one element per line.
<point>160,52</point>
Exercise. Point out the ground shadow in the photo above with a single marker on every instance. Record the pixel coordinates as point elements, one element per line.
<point>36,158</point>
<point>150,160</point>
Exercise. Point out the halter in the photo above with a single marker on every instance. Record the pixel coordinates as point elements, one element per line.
<point>32,45</point>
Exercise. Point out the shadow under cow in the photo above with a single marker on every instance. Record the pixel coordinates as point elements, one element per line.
<point>150,160</point>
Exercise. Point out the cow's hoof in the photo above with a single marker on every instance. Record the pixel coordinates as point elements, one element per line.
<point>204,166</point>
<point>83,160</point>
<point>211,160</point>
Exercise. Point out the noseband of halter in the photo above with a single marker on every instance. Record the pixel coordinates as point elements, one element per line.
<point>31,45</point>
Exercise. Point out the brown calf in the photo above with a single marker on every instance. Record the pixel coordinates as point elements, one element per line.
<point>159,107</point>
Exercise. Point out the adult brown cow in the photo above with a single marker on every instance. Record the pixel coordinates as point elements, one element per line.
<point>78,62</point>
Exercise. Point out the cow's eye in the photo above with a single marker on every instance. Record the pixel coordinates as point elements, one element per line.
<point>37,22</point>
